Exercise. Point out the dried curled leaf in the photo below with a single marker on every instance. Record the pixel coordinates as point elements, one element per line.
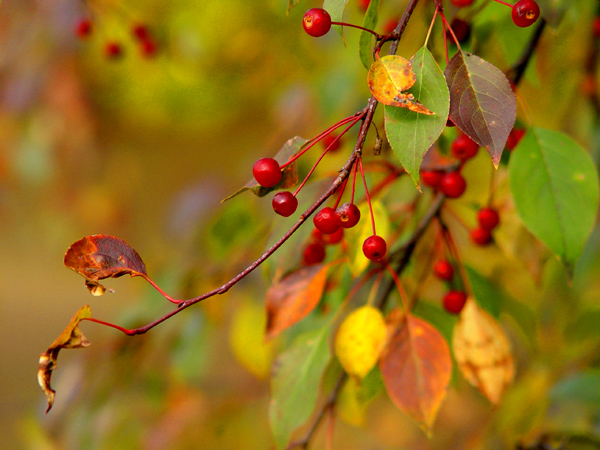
<point>482,352</point>
<point>100,256</point>
<point>294,297</point>
<point>391,75</point>
<point>71,337</point>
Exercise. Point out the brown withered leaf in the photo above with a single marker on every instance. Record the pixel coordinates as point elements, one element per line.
<point>100,256</point>
<point>482,352</point>
<point>294,297</point>
<point>416,367</point>
<point>71,337</point>
<point>290,173</point>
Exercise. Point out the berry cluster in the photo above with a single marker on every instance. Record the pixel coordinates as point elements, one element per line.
<point>454,300</point>
<point>113,49</point>
<point>488,219</point>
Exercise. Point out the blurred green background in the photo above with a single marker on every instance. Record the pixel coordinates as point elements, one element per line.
<point>145,149</point>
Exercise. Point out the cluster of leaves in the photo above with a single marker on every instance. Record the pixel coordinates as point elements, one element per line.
<point>408,349</point>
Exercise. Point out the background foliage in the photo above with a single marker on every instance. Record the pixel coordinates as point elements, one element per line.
<point>146,148</point>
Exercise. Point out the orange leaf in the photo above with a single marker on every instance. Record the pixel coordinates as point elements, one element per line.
<point>71,337</point>
<point>416,367</point>
<point>100,256</point>
<point>388,77</point>
<point>294,297</point>
<point>482,352</point>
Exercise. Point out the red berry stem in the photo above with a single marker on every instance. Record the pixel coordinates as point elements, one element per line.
<point>342,189</point>
<point>504,3</point>
<point>362,173</point>
<point>344,24</point>
<point>323,155</point>
<point>127,331</point>
<point>320,136</point>
<point>449,28</point>
<point>464,280</point>
<point>163,293</point>
<point>403,295</point>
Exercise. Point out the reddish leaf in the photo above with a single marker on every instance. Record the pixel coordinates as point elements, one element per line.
<point>290,173</point>
<point>416,367</point>
<point>482,104</point>
<point>71,337</point>
<point>100,256</point>
<point>294,297</point>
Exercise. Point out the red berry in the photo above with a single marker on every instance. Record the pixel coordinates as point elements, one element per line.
<point>348,215</point>
<point>328,142</point>
<point>432,178</point>
<point>326,221</point>
<point>525,13</point>
<point>83,28</point>
<point>481,236</point>
<point>453,185</point>
<point>141,32</point>
<point>313,254</point>
<point>333,238</point>
<point>461,29</point>
<point>488,218</point>
<point>364,4</point>
<point>454,301</point>
<point>462,3</point>
<point>284,203</point>
<point>443,270</point>
<point>148,47</point>
<point>515,136</point>
<point>374,248</point>
<point>113,50</point>
<point>267,172</point>
<point>316,22</point>
<point>596,27</point>
<point>464,148</point>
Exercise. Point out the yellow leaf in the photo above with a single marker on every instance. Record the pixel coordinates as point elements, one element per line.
<point>348,406</point>
<point>246,338</point>
<point>360,340</point>
<point>71,337</point>
<point>482,352</point>
<point>388,77</point>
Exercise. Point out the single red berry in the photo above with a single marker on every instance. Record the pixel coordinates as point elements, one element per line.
<point>328,142</point>
<point>374,248</point>
<point>488,218</point>
<point>348,215</point>
<point>113,50</point>
<point>515,136</point>
<point>453,185</point>
<point>462,3</point>
<point>464,148</point>
<point>267,172</point>
<point>443,270</point>
<point>596,27</point>
<point>316,22</point>
<point>364,4</point>
<point>83,28</point>
<point>481,236</point>
<point>432,178</point>
<point>334,238</point>
<point>454,301</point>
<point>525,13</point>
<point>461,29</point>
<point>284,203</point>
<point>390,26</point>
<point>313,254</point>
<point>148,47</point>
<point>140,31</point>
<point>326,221</point>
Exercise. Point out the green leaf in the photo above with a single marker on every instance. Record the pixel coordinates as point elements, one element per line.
<point>335,8</point>
<point>581,387</point>
<point>295,383</point>
<point>365,47</point>
<point>482,103</point>
<point>410,134</point>
<point>554,184</point>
